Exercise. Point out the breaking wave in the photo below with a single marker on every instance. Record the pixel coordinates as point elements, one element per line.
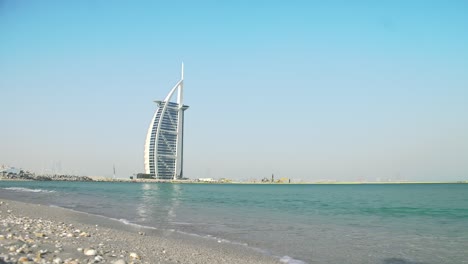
<point>22,189</point>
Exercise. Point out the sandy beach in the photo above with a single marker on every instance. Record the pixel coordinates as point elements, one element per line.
<point>33,233</point>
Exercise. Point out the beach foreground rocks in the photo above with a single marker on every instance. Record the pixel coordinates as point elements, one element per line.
<point>36,240</point>
<point>42,234</point>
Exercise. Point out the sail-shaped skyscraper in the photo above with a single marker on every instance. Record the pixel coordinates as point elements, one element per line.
<point>164,144</point>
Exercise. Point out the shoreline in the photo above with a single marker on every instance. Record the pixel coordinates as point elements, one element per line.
<point>49,234</point>
<point>123,180</point>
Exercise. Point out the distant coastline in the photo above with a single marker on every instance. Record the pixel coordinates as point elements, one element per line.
<point>34,177</point>
<point>104,179</point>
<point>13,174</point>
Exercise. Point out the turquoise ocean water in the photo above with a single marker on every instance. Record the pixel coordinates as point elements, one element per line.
<point>404,224</point>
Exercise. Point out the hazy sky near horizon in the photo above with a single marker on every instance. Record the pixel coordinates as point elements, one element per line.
<point>338,90</point>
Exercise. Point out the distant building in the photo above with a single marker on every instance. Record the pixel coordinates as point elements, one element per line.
<point>224,180</point>
<point>10,170</point>
<point>283,180</point>
<point>163,156</point>
<point>206,180</point>
<point>144,176</point>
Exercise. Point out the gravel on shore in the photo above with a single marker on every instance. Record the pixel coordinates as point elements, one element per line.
<point>31,233</point>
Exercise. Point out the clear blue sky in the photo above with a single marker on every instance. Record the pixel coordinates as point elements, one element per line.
<point>310,90</point>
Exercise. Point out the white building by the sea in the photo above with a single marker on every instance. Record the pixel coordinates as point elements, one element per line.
<point>164,146</point>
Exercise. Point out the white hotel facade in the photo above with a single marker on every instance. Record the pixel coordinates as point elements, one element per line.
<point>164,145</point>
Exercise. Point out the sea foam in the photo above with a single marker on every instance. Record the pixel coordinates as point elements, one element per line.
<point>289,260</point>
<point>22,189</point>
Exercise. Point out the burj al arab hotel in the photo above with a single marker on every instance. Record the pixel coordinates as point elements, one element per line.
<point>164,146</point>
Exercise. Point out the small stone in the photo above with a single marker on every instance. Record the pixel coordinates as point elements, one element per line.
<point>12,249</point>
<point>23,259</point>
<point>39,234</point>
<point>98,258</point>
<point>141,233</point>
<point>9,211</point>
<point>90,252</point>
<point>57,261</point>
<point>69,235</point>
<point>80,249</point>
<point>134,255</point>
<point>84,234</point>
<point>119,261</point>
<point>2,237</point>
<point>38,259</point>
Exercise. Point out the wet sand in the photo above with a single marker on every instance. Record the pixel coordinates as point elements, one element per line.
<point>31,233</point>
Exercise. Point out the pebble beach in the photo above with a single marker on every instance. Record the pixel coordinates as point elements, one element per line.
<point>31,233</point>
